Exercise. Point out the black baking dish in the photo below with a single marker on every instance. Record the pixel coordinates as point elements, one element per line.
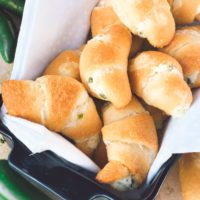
<point>60,179</point>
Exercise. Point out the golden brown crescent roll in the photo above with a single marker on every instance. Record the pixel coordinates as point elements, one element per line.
<point>189,174</point>
<point>185,48</point>
<point>103,65</point>
<point>60,103</point>
<point>185,11</point>
<point>65,64</point>
<point>158,79</point>
<point>131,142</point>
<point>102,17</point>
<point>151,19</point>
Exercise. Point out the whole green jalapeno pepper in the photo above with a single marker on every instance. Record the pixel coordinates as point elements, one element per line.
<point>8,37</point>
<point>16,6</point>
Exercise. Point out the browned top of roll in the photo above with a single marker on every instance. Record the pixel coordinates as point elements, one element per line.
<point>185,48</point>
<point>23,99</point>
<point>151,19</point>
<point>65,64</point>
<point>102,17</point>
<point>103,65</point>
<point>39,99</point>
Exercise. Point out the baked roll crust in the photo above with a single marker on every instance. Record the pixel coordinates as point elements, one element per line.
<point>65,64</point>
<point>103,65</point>
<point>131,141</point>
<point>59,103</point>
<point>158,79</point>
<point>185,48</point>
<point>151,19</point>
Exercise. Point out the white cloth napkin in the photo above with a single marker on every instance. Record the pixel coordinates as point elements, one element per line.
<point>50,26</point>
<point>182,135</point>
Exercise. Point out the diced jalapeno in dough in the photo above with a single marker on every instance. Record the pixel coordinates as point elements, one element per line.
<point>90,80</point>
<point>80,116</point>
<point>102,96</point>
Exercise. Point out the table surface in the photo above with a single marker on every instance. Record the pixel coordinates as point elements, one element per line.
<point>170,189</point>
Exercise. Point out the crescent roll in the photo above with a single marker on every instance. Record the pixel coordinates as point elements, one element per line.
<point>65,64</point>
<point>189,174</point>
<point>185,11</point>
<point>60,103</point>
<point>131,142</point>
<point>185,48</point>
<point>158,79</point>
<point>151,19</point>
<point>102,17</point>
<point>103,65</point>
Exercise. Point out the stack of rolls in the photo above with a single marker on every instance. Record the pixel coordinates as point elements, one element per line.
<point>115,68</point>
